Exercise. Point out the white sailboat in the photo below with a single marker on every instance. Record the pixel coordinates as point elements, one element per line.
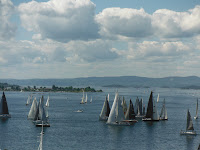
<point>116,116</point>
<point>91,100</point>
<point>105,111</point>
<point>47,103</point>
<point>29,99</point>
<point>108,97</point>
<point>33,109</point>
<point>189,126</point>
<point>196,117</point>
<point>86,98</point>
<point>163,114</point>
<point>82,99</point>
<point>158,98</point>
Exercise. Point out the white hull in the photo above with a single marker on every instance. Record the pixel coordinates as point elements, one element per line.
<point>5,116</point>
<point>195,118</point>
<point>188,133</point>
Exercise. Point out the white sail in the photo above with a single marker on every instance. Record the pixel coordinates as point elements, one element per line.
<point>28,100</point>
<point>86,98</point>
<point>91,100</point>
<point>163,114</point>
<point>82,99</point>
<point>196,116</point>
<point>158,98</point>
<point>124,105</point>
<point>119,111</point>
<point>108,97</point>
<point>33,109</point>
<point>47,103</point>
<point>104,114</point>
<point>112,116</point>
<point>155,112</point>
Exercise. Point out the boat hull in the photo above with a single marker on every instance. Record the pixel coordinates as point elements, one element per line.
<point>5,116</point>
<point>195,118</point>
<point>188,133</point>
<point>44,125</point>
<point>121,123</point>
<point>148,119</point>
<point>103,118</point>
<point>163,119</point>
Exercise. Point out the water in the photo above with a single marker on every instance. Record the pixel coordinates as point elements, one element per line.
<point>71,130</point>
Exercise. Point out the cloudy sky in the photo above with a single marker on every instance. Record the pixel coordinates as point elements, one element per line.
<point>84,38</point>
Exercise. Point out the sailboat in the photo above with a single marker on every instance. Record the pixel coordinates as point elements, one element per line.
<point>91,100</point>
<point>86,98</point>
<point>82,99</point>
<point>189,126</point>
<point>196,117</point>
<point>29,99</point>
<point>108,97</point>
<point>33,109</point>
<point>140,109</point>
<point>163,114</point>
<point>41,115</point>
<point>47,103</point>
<point>4,113</point>
<point>105,111</point>
<point>116,116</point>
<point>151,114</point>
<point>130,114</point>
<point>124,105</point>
<point>158,98</point>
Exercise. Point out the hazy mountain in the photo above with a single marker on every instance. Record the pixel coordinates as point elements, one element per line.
<point>122,81</point>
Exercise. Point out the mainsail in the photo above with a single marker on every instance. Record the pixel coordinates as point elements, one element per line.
<point>105,110</point>
<point>86,98</point>
<point>149,113</point>
<point>130,114</point>
<point>155,112</point>
<point>4,107</point>
<point>47,103</point>
<point>112,115</point>
<point>33,109</point>
<point>189,122</point>
<point>124,105</point>
<point>158,98</point>
<point>163,114</point>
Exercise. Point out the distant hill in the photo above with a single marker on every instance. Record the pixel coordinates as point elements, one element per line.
<point>122,81</point>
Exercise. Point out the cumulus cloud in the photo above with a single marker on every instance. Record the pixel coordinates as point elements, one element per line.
<point>61,20</point>
<point>163,23</point>
<point>7,29</point>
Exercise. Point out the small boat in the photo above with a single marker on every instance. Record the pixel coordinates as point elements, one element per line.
<point>163,114</point>
<point>79,111</point>
<point>105,111</point>
<point>33,109</point>
<point>82,99</point>
<point>116,116</point>
<point>151,114</point>
<point>189,126</point>
<point>86,98</point>
<point>4,113</point>
<point>196,117</point>
<point>29,99</point>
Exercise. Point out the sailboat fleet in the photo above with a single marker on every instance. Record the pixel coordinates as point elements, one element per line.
<point>84,99</point>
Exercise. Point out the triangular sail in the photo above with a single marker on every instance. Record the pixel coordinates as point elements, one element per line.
<point>47,103</point>
<point>3,105</point>
<point>163,114</point>
<point>86,98</point>
<point>112,115</point>
<point>141,106</point>
<point>130,114</point>
<point>136,105</point>
<point>158,98</point>
<point>33,109</point>
<point>149,113</point>
<point>105,110</point>
<point>189,122</point>
<point>108,97</point>
<point>124,105</point>
<point>155,112</point>
<point>197,109</point>
<point>119,111</point>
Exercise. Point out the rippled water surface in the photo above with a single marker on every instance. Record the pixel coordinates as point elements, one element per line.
<point>71,130</point>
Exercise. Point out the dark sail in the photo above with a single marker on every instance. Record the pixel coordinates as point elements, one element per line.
<point>107,107</point>
<point>130,114</point>
<point>140,106</point>
<point>189,122</point>
<point>4,106</point>
<point>149,113</point>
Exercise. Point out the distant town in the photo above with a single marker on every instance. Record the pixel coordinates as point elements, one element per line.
<point>8,87</point>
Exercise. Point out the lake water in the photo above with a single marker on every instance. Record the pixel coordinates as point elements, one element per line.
<point>71,130</point>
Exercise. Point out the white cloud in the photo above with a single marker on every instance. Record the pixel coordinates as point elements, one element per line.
<point>7,29</point>
<point>61,20</point>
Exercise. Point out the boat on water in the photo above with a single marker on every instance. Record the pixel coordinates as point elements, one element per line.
<point>116,116</point>
<point>130,114</point>
<point>105,111</point>
<point>83,99</point>
<point>29,99</point>
<point>47,107</point>
<point>79,111</point>
<point>140,112</point>
<point>41,115</point>
<point>124,105</point>
<point>189,126</point>
<point>163,114</point>
<point>152,113</point>
<point>86,98</point>
<point>4,113</point>
<point>197,107</point>
<point>33,109</point>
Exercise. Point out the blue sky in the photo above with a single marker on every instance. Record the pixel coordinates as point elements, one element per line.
<point>83,38</point>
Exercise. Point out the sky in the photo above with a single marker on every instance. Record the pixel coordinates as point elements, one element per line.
<point>87,38</point>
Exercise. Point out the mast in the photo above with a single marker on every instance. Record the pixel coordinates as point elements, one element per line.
<point>149,113</point>
<point>189,122</point>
